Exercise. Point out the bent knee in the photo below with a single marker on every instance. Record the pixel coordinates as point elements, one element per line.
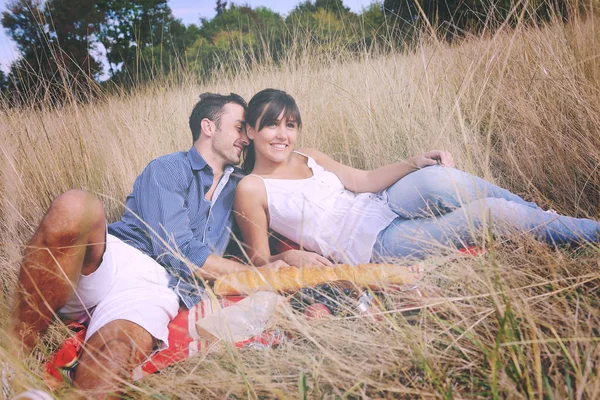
<point>435,179</point>
<point>77,202</point>
<point>122,337</point>
<point>73,213</point>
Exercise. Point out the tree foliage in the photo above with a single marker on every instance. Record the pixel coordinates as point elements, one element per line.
<point>3,83</point>
<point>54,41</point>
<point>220,7</point>
<point>452,18</point>
<point>238,33</point>
<point>127,28</point>
<point>65,43</point>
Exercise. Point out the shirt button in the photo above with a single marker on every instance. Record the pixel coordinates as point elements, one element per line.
<point>209,228</point>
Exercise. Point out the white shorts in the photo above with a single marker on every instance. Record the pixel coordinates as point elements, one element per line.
<point>127,285</point>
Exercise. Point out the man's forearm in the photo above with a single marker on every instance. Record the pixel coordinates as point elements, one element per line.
<point>216,266</point>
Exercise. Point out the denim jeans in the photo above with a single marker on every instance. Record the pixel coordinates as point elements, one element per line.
<point>440,208</point>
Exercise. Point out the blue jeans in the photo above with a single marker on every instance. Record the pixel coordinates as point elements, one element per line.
<point>440,208</point>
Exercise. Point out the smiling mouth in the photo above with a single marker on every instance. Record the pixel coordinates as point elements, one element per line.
<point>279,146</point>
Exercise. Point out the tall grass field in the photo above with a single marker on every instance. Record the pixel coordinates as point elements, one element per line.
<point>519,107</point>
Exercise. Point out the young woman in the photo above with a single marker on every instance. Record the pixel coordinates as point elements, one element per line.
<point>338,213</point>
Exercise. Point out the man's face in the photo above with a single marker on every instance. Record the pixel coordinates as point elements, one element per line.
<point>230,137</point>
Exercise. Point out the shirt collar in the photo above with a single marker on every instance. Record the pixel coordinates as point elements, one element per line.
<point>196,160</point>
<point>198,163</point>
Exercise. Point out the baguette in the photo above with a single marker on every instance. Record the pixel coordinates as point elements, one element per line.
<point>291,279</point>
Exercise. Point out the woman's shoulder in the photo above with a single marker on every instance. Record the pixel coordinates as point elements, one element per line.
<point>250,183</point>
<point>250,190</point>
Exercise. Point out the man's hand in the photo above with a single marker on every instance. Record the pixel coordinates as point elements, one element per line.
<point>299,258</point>
<point>434,157</point>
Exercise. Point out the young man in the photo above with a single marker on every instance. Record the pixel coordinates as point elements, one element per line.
<point>129,277</point>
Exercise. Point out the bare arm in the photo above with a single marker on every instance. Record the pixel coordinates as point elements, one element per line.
<point>250,207</point>
<point>216,266</point>
<point>254,227</point>
<point>378,179</point>
<point>251,214</point>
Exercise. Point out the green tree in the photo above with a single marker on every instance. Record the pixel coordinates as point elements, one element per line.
<point>127,28</point>
<point>73,23</point>
<point>375,26</point>
<point>170,55</point>
<point>242,18</point>
<point>450,18</point>
<point>239,34</point>
<point>24,22</point>
<point>3,83</point>
<point>327,22</point>
<point>335,6</point>
<point>305,7</point>
<point>373,16</point>
<point>221,7</point>
<point>53,39</point>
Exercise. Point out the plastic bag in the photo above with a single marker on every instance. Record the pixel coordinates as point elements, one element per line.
<point>243,320</point>
<point>188,337</point>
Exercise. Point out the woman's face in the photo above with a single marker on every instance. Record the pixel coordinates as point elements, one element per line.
<point>275,141</point>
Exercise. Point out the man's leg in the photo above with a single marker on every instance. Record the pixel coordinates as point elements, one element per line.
<point>128,322</point>
<point>109,357</point>
<point>70,241</point>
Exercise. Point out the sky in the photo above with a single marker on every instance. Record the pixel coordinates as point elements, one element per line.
<point>189,11</point>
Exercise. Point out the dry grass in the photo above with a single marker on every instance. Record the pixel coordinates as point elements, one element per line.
<point>520,108</point>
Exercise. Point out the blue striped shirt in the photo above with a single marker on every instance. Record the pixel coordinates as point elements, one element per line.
<point>168,217</point>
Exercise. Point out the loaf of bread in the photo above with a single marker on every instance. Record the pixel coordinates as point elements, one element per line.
<point>291,279</point>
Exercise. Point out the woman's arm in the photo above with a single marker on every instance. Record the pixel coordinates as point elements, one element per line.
<point>250,207</point>
<point>381,178</point>
<point>251,214</point>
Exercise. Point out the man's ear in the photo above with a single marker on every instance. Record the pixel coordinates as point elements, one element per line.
<point>207,126</point>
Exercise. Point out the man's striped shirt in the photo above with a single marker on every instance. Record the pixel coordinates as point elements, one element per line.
<point>168,217</point>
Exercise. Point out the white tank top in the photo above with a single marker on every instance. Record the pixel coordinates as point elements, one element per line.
<point>322,216</point>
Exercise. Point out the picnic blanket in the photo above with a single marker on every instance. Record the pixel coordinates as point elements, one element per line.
<point>187,337</point>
